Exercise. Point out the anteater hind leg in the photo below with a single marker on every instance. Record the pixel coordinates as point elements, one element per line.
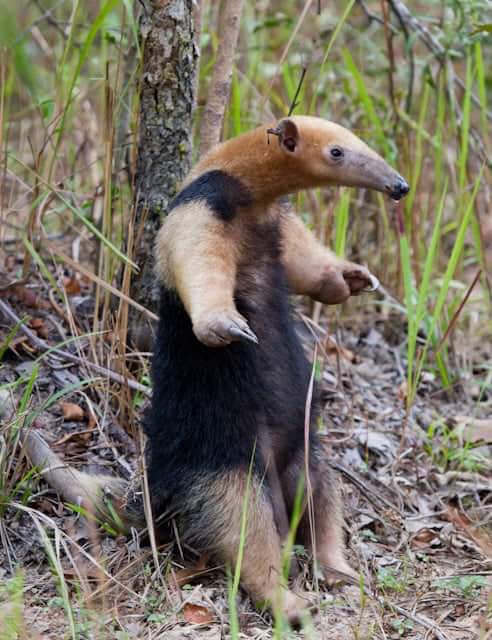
<point>216,506</point>
<point>327,516</point>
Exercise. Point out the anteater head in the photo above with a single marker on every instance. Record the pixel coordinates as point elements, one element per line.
<point>324,153</point>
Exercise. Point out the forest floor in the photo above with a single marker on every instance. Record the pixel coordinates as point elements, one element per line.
<point>416,490</point>
<point>413,82</point>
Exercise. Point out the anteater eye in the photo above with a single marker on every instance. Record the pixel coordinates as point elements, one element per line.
<point>336,153</point>
<point>290,144</point>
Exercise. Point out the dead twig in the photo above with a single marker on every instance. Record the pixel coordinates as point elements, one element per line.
<point>76,266</point>
<point>423,621</point>
<point>218,93</point>
<point>40,344</point>
<point>456,314</point>
<point>363,487</point>
<point>413,24</point>
<point>294,102</point>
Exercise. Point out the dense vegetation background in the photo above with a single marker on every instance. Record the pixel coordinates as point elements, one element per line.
<point>407,371</point>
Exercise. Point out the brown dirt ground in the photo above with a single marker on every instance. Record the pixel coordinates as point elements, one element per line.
<point>417,520</point>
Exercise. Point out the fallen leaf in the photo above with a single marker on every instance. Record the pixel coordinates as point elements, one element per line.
<point>29,297</point>
<point>459,610</point>
<point>463,523</point>
<point>197,614</point>
<point>377,442</point>
<point>423,538</point>
<point>332,349</point>
<point>10,262</point>
<point>7,405</point>
<point>72,411</point>
<point>91,419</point>
<point>72,285</point>
<point>403,391</point>
<point>188,574</point>
<point>39,327</point>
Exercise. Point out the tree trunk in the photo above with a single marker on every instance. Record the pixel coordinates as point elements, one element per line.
<point>167,89</point>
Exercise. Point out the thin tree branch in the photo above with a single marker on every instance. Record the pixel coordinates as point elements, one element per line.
<point>220,84</point>
<point>413,24</point>
<point>456,314</point>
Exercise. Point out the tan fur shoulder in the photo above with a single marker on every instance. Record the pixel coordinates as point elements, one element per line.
<point>192,230</point>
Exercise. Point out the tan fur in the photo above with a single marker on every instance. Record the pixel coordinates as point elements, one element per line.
<point>314,270</point>
<point>328,546</point>
<point>261,561</point>
<point>197,255</point>
<point>268,172</point>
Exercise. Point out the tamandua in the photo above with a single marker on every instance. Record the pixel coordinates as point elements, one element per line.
<point>229,371</point>
<point>228,365</point>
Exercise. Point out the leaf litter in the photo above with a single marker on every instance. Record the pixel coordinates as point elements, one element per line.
<point>418,517</point>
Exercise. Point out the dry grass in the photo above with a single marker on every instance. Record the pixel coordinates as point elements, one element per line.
<point>415,356</point>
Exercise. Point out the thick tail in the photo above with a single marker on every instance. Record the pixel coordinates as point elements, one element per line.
<point>104,497</point>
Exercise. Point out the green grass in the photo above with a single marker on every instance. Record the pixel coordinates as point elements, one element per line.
<point>449,453</point>
<point>11,604</point>
<point>63,94</point>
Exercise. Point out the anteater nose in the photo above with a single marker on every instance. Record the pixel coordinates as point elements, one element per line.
<point>399,189</point>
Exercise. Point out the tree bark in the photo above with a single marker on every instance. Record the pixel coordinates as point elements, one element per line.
<point>167,92</point>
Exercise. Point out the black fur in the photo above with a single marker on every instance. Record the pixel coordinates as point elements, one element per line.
<point>223,193</point>
<point>209,403</point>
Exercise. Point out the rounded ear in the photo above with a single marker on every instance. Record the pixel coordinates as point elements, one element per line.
<point>288,135</point>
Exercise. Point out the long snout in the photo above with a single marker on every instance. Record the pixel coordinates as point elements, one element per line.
<point>372,172</point>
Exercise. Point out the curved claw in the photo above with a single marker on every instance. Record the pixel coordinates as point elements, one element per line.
<point>332,576</point>
<point>243,333</point>
<point>374,285</point>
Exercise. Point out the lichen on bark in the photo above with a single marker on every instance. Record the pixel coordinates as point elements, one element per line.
<point>167,87</point>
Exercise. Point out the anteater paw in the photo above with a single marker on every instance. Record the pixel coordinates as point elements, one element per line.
<point>220,328</point>
<point>359,279</point>
<point>338,571</point>
<point>295,610</point>
<point>343,280</point>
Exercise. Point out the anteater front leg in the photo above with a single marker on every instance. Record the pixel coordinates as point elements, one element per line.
<point>197,256</point>
<point>316,271</point>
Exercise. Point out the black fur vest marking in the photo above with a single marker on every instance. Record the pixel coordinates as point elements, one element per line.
<point>223,193</point>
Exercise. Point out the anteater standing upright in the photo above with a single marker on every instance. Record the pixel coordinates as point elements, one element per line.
<point>228,365</point>
<point>230,379</point>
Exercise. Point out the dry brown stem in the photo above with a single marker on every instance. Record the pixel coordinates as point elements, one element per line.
<point>218,93</point>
